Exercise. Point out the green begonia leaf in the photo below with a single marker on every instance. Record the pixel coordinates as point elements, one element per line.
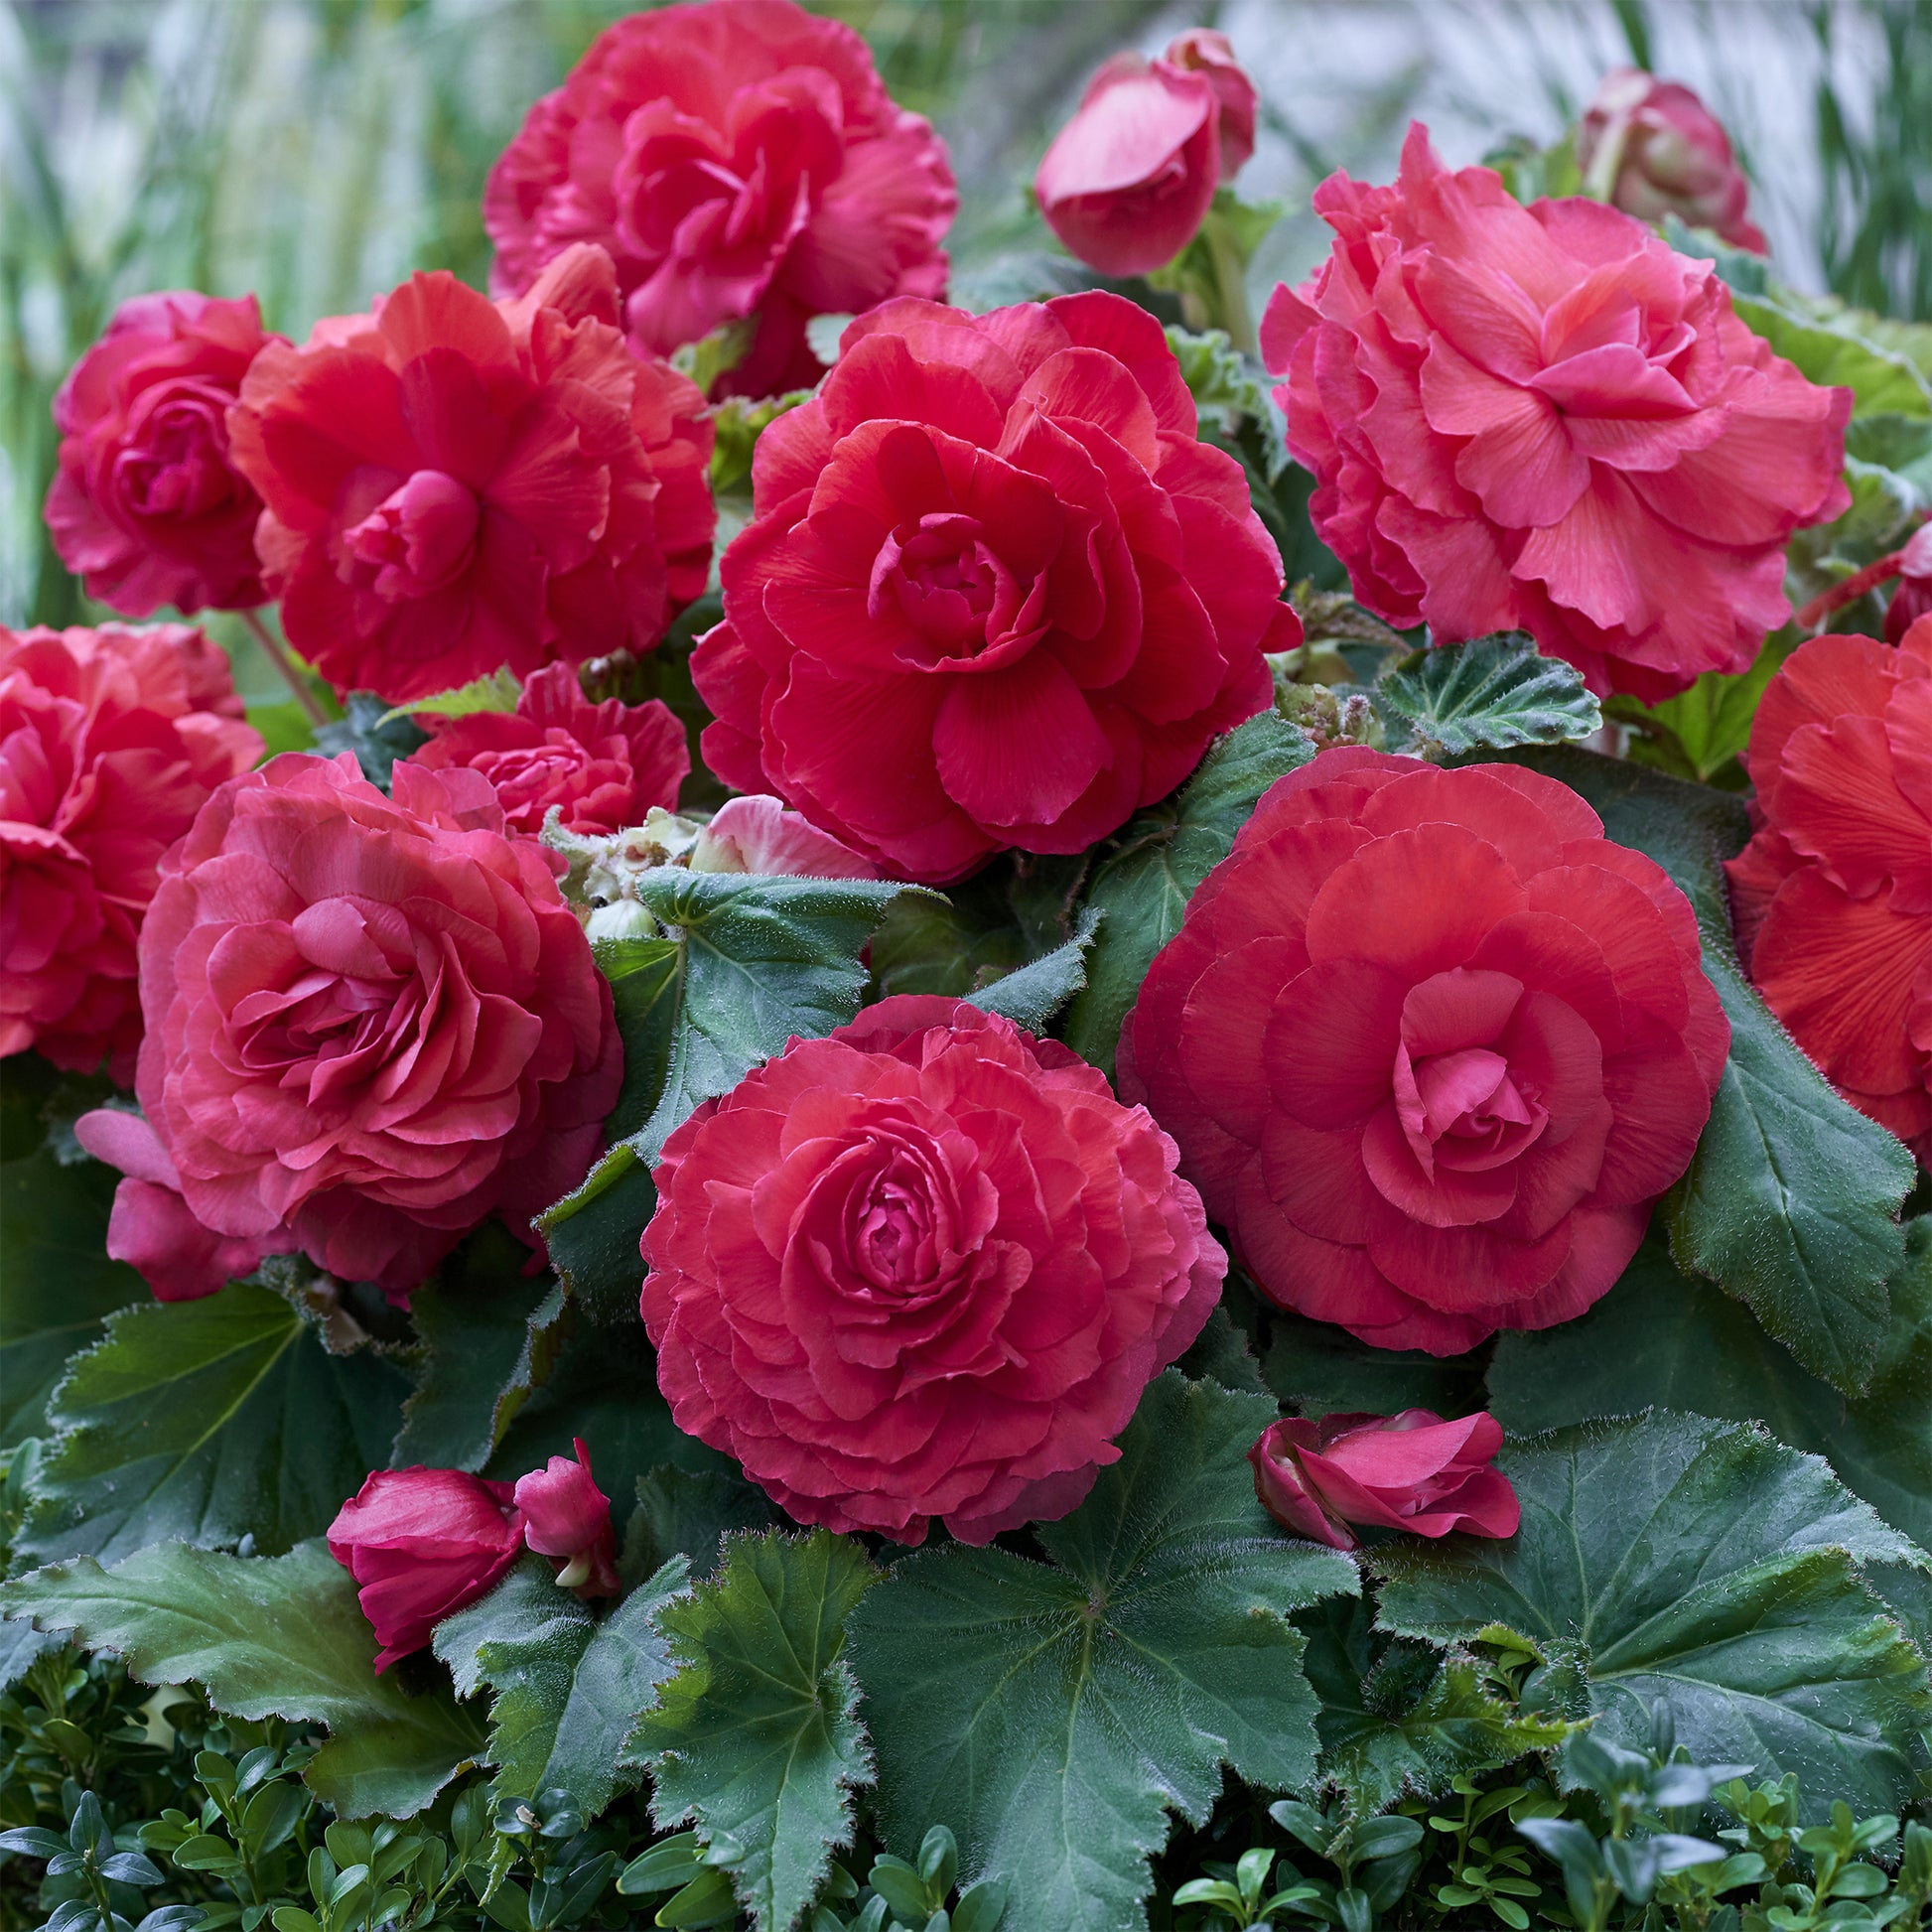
<point>1492,691</point>
<point>265,1636</point>
<point>568,1685</point>
<point>746,962</point>
<point>60,1284</point>
<point>1790,1201</point>
<point>1052,1714</point>
<point>755,1736</point>
<point>497,690</point>
<point>1401,1719</point>
<point>1032,994</point>
<point>1143,888</point>
<point>1673,1560</point>
<point>488,1338</point>
<point>1659,1337</point>
<point>208,1421</point>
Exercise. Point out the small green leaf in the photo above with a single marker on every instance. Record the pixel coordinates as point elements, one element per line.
<point>1398,1718</point>
<point>1232,388</point>
<point>568,1687</point>
<point>1493,691</point>
<point>1698,1565</point>
<point>1700,733</point>
<point>60,1285</point>
<point>209,1421</point>
<point>1032,995</point>
<point>1791,1201</point>
<point>755,960</point>
<point>1660,1337</point>
<point>755,1736</point>
<point>1145,886</point>
<point>265,1636</point>
<point>497,690</point>
<point>376,735</point>
<point>488,1338</point>
<point>1052,1714</point>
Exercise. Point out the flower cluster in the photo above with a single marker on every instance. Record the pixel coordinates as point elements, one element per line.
<point>1423,1049</point>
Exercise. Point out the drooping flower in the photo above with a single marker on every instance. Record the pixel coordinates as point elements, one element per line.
<point>1831,898</point>
<point>742,163</point>
<point>994,593</point>
<point>606,766</point>
<point>1411,1472</point>
<point>454,484</point>
<point>567,1518</point>
<point>110,741</point>
<point>1652,148</point>
<point>921,1270</point>
<point>147,506</point>
<point>372,1022</point>
<point>1431,1045</point>
<point>1544,419</point>
<point>423,1544</point>
<point>1130,178</point>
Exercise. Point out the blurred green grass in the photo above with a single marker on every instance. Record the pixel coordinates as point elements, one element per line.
<point>316,151</point>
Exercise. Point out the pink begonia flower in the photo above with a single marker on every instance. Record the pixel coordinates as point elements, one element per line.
<point>422,1544</point>
<point>567,1517</point>
<point>1544,419</point>
<point>1411,1472</point>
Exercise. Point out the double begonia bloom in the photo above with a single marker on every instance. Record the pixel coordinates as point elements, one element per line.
<point>1652,148</point>
<point>603,766</point>
<point>423,1544</point>
<point>567,1518</point>
<point>1544,419</point>
<point>1431,1045</point>
<point>921,1269</point>
<point>453,485</point>
<point>742,163</point>
<point>147,506</point>
<point>1831,900</point>
<point>110,741</point>
<point>1412,1471</point>
<point>372,1022</point>
<point>994,592</point>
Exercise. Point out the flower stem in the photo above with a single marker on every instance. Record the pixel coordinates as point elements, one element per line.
<point>1231,285</point>
<point>277,653</point>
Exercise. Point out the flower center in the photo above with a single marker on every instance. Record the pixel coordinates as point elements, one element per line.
<point>940,576</point>
<point>179,467</point>
<point>1466,1109</point>
<point>417,539</point>
<point>891,1240</point>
